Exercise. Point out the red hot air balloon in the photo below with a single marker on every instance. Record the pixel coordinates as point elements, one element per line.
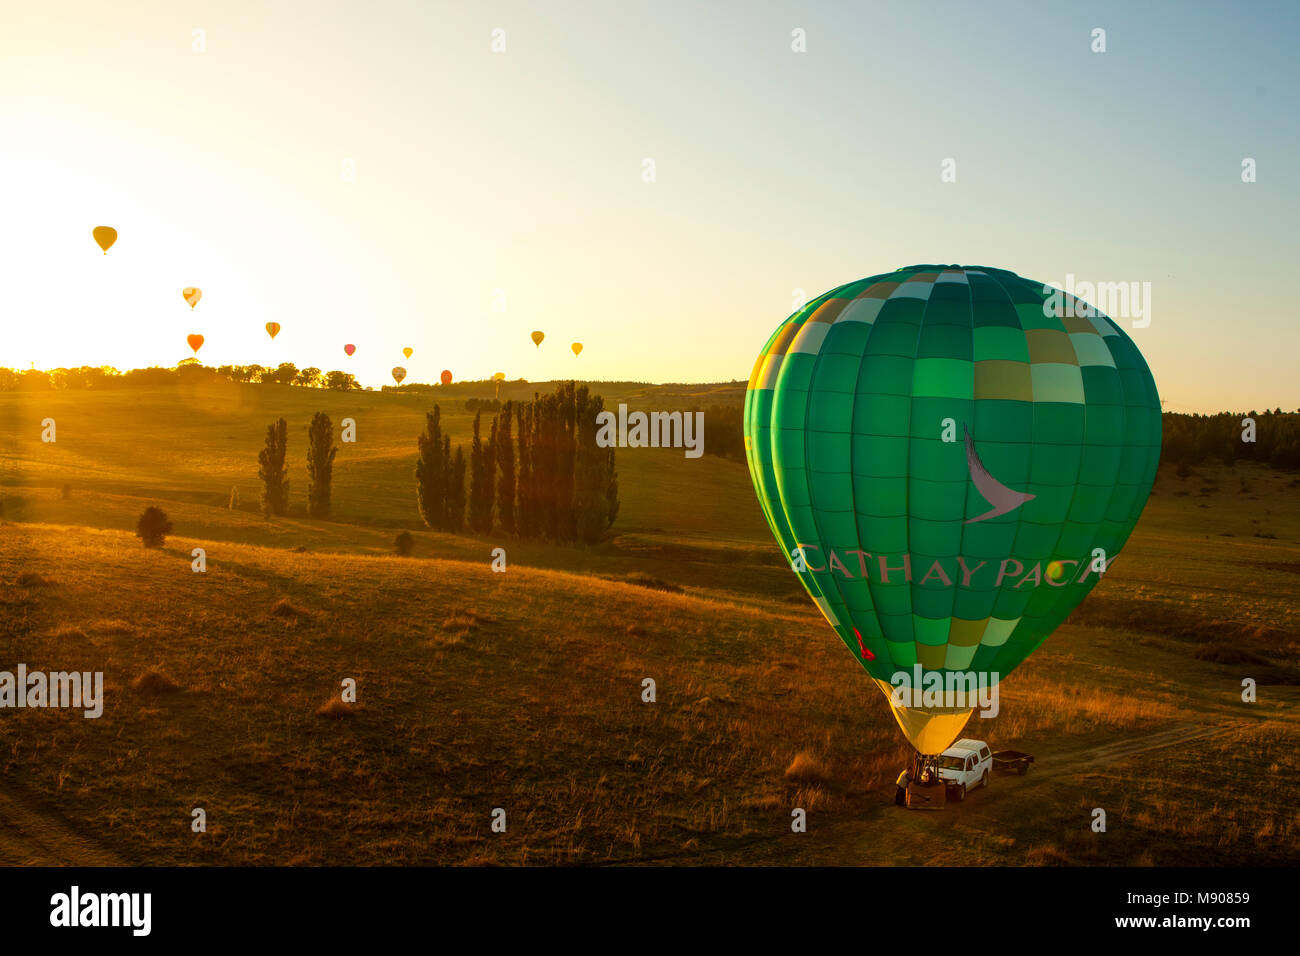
<point>349,349</point>
<point>446,377</point>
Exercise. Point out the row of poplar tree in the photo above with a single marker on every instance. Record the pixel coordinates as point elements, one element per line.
<point>539,474</point>
<point>273,469</point>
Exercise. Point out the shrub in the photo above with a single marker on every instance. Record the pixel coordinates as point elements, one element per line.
<point>403,543</point>
<point>153,527</point>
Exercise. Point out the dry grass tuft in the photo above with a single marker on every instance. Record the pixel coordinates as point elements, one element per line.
<point>68,632</point>
<point>643,580</point>
<point>337,709</point>
<point>154,683</point>
<point>1046,856</point>
<point>806,769</point>
<point>1226,654</point>
<point>287,609</point>
<point>113,627</point>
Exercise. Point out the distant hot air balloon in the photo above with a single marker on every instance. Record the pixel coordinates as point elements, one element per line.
<point>273,329</point>
<point>105,236</point>
<point>192,295</point>
<point>399,373</point>
<point>577,348</point>
<point>499,377</point>
<point>408,352</point>
<point>446,377</point>
<point>196,342</point>
<point>349,349</point>
<point>946,455</point>
<point>537,338</point>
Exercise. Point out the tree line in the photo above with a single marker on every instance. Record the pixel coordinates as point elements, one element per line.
<point>1200,439</point>
<point>538,473</point>
<point>99,377</point>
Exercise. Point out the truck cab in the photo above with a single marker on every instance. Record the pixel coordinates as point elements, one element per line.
<point>965,765</point>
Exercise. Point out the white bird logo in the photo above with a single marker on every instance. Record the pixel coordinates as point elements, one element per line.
<point>1002,498</point>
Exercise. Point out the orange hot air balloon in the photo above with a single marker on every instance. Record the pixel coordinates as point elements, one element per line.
<point>399,373</point>
<point>408,352</point>
<point>537,338</point>
<point>196,342</point>
<point>577,348</point>
<point>273,329</point>
<point>446,377</point>
<point>349,349</point>
<point>105,236</point>
<point>192,295</point>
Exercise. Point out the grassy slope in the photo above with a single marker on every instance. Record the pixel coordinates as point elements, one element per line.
<point>521,690</point>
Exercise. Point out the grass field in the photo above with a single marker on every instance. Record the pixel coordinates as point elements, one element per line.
<point>523,690</point>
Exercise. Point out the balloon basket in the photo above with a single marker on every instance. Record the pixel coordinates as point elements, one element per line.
<point>926,796</point>
<point>925,791</point>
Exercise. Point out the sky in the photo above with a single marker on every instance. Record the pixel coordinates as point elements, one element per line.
<point>499,192</point>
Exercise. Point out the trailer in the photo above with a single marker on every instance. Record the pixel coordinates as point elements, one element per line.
<point>1012,760</point>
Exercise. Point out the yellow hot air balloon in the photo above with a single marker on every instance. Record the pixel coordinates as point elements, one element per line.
<point>399,373</point>
<point>408,352</point>
<point>537,338</point>
<point>192,295</point>
<point>499,377</point>
<point>105,236</point>
<point>577,348</point>
<point>273,329</point>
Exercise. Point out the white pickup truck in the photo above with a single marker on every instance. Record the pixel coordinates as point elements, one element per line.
<point>965,765</point>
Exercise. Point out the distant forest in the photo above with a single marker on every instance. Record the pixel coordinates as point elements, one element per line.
<point>87,377</point>
<point>1188,439</point>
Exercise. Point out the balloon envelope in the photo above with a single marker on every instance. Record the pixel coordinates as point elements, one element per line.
<point>349,349</point>
<point>105,236</point>
<point>399,373</point>
<point>577,348</point>
<point>537,338</point>
<point>499,377</point>
<point>273,329</point>
<point>196,342</point>
<point>408,352</point>
<point>192,295</point>
<point>446,377</point>
<point>942,453</point>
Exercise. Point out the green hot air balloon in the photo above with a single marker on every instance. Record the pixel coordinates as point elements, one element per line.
<point>947,455</point>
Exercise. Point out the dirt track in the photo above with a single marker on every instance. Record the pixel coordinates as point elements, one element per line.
<point>33,835</point>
